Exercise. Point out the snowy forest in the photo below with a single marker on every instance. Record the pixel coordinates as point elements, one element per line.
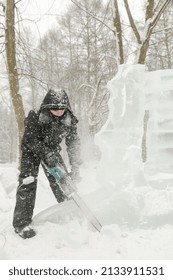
<point>114,58</point>
<point>78,54</point>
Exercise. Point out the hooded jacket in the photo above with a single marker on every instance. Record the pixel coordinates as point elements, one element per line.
<point>44,132</point>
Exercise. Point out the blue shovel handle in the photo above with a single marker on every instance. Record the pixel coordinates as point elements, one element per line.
<point>57,172</point>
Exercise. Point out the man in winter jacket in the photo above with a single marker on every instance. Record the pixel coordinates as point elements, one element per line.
<point>44,131</point>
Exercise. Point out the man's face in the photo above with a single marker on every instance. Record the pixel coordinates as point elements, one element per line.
<point>58,113</point>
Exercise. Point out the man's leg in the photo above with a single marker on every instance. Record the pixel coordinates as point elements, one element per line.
<point>26,193</point>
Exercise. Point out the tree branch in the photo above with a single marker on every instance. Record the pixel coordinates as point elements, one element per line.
<point>132,23</point>
<point>3,6</point>
<point>41,82</point>
<point>157,17</point>
<point>85,85</point>
<point>95,93</point>
<point>157,6</point>
<point>99,105</point>
<point>150,23</point>
<point>92,15</point>
<point>149,10</point>
<point>17,2</point>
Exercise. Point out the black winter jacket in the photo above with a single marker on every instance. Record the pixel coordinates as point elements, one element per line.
<point>44,132</point>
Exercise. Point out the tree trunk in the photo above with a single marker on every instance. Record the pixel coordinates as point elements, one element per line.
<point>150,22</point>
<point>143,52</point>
<point>118,32</point>
<point>12,68</point>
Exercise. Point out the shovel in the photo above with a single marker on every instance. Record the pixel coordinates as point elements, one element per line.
<point>66,184</point>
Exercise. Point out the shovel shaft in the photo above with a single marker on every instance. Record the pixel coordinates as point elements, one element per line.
<point>86,211</point>
<point>61,176</point>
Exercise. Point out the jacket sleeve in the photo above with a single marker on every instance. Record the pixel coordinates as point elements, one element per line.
<point>33,138</point>
<point>73,145</point>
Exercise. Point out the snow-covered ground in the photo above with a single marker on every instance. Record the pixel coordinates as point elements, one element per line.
<point>136,225</point>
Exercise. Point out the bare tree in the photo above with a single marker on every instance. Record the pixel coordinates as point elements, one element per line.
<point>12,67</point>
<point>160,54</point>
<point>153,12</point>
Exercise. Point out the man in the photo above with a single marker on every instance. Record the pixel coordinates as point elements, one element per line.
<point>44,131</point>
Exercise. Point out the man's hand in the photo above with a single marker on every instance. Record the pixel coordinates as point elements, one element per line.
<point>75,174</point>
<point>51,159</point>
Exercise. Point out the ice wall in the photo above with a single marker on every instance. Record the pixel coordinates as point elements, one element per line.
<point>159,101</point>
<point>133,91</point>
<point>120,138</point>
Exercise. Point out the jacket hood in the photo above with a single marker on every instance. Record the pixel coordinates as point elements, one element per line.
<point>56,99</point>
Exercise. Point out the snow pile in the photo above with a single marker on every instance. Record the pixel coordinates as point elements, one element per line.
<point>69,235</point>
<point>8,184</point>
<point>158,202</point>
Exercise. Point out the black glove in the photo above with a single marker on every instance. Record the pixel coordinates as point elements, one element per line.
<point>75,174</point>
<point>51,159</point>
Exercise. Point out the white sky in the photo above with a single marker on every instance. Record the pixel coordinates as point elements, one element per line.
<point>41,14</point>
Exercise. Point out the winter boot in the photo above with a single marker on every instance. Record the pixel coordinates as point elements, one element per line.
<point>26,232</point>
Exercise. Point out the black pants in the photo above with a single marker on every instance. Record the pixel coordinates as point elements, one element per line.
<point>26,193</point>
